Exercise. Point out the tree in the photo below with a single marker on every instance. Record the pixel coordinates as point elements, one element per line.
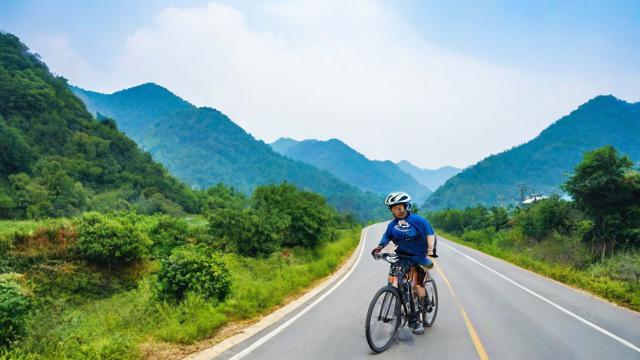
<point>542,217</point>
<point>15,154</point>
<point>606,188</point>
<point>30,199</point>
<point>310,216</point>
<point>250,232</point>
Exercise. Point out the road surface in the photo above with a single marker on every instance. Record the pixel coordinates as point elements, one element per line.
<point>489,309</point>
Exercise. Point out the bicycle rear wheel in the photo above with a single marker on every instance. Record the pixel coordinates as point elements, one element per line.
<point>383,319</point>
<point>430,311</point>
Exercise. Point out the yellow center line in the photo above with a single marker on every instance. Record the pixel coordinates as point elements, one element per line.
<point>472,331</point>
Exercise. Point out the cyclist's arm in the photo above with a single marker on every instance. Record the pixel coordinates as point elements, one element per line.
<point>431,238</point>
<point>385,238</point>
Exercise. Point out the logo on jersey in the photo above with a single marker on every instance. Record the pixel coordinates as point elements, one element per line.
<point>402,225</point>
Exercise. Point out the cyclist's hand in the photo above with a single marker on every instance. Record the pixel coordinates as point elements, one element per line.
<point>376,252</point>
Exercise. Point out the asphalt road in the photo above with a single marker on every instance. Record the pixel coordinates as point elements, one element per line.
<point>488,309</point>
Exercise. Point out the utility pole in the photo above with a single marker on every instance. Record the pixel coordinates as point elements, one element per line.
<point>523,189</point>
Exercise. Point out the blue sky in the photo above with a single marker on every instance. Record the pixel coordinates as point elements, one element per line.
<point>489,74</point>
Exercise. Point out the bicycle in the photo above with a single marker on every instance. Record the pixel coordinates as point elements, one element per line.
<point>395,305</point>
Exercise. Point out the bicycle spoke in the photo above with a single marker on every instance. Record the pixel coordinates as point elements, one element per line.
<point>382,321</point>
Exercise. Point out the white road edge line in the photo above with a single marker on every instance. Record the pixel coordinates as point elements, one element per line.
<point>568,312</point>
<point>284,325</point>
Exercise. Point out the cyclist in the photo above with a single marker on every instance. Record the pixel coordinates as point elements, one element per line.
<point>414,238</point>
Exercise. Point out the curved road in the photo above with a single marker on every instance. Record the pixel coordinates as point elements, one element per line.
<point>489,309</point>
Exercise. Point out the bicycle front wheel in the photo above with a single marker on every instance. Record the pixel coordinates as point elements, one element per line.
<point>383,319</point>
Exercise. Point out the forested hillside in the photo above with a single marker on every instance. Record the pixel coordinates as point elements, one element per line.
<point>203,147</point>
<point>544,163</point>
<point>57,160</point>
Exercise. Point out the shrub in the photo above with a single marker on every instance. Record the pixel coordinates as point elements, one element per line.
<point>193,269</point>
<point>50,240</point>
<point>622,266</point>
<point>111,240</point>
<point>14,307</point>
<point>562,249</point>
<point>167,233</point>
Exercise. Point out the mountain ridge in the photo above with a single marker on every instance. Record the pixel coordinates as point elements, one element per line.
<point>351,166</point>
<point>203,147</point>
<point>541,164</point>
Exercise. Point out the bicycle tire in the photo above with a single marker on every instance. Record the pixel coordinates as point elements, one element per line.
<point>391,299</point>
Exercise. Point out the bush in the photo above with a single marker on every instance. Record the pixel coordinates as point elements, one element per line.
<point>167,233</point>
<point>193,269</point>
<point>51,240</point>
<point>277,216</point>
<point>14,307</point>
<point>111,241</point>
<point>563,250</point>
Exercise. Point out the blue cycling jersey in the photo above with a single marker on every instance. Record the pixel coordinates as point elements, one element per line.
<point>410,235</point>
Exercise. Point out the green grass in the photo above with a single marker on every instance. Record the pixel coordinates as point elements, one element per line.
<point>115,327</point>
<point>621,292</point>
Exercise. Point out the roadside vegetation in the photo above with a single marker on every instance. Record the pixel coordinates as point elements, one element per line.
<point>591,242</point>
<point>100,285</point>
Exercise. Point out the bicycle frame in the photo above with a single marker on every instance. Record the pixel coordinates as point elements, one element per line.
<point>399,278</point>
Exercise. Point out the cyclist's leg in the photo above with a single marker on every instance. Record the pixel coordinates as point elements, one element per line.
<point>418,280</point>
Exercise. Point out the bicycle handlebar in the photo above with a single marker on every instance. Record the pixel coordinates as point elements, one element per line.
<point>391,258</point>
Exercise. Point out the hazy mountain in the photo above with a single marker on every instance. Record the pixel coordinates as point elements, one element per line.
<point>543,163</point>
<point>431,178</point>
<point>283,144</point>
<point>352,167</point>
<point>203,147</point>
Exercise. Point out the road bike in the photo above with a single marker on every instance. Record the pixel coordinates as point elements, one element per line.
<point>395,305</point>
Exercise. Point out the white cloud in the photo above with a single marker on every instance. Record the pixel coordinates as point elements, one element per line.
<point>56,51</point>
<point>352,70</point>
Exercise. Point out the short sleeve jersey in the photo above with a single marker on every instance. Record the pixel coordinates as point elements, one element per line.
<point>410,235</point>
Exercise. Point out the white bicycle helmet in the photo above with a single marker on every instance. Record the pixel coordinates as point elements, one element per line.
<point>398,197</point>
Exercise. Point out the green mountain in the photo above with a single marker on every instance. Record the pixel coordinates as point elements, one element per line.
<point>139,106</point>
<point>351,166</point>
<point>204,147</point>
<point>542,164</point>
<point>57,160</point>
<point>431,178</point>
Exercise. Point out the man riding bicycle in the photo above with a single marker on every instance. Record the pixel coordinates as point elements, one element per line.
<point>414,238</point>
